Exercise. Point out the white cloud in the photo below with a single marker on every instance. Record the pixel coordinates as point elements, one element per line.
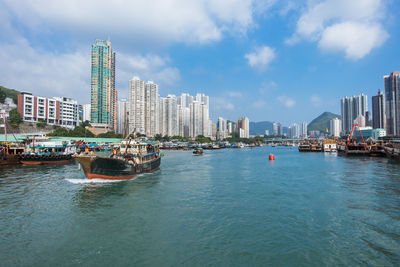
<point>234,94</point>
<point>44,73</point>
<point>261,57</point>
<point>354,27</point>
<point>51,74</point>
<point>163,20</point>
<point>355,39</point>
<point>286,101</point>
<point>221,103</point>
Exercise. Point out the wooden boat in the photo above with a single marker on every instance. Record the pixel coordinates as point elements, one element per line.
<point>128,160</point>
<point>9,154</point>
<point>392,150</point>
<point>48,153</point>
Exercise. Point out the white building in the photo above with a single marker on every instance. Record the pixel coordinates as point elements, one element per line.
<point>86,112</point>
<point>303,130</point>
<point>335,127</point>
<point>69,113</point>
<point>122,117</point>
<point>222,129</point>
<point>144,107</point>
<point>243,123</point>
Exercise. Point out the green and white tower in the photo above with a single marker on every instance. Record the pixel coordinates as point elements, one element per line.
<point>103,93</point>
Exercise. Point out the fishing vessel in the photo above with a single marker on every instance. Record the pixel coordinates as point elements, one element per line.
<point>392,149</point>
<point>128,159</point>
<point>9,151</point>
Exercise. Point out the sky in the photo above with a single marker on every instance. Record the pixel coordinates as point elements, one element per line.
<point>274,60</point>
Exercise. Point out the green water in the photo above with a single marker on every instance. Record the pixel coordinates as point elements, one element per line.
<point>229,207</point>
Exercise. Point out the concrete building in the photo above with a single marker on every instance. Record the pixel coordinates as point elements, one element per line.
<point>392,108</point>
<point>378,132</point>
<point>69,112</point>
<point>103,92</point>
<point>335,127</point>
<point>123,106</point>
<point>378,111</point>
<point>243,123</point>
<point>303,130</point>
<point>294,131</point>
<point>222,129</point>
<point>351,108</point>
<point>86,112</point>
<point>61,111</point>
<point>136,106</point>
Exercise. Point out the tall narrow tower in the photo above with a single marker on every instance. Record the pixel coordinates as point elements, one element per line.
<point>103,92</point>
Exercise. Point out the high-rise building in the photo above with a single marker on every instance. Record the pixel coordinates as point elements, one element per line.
<point>243,123</point>
<point>86,112</point>
<point>222,129</point>
<point>69,114</point>
<point>275,128</point>
<point>294,131</point>
<point>303,130</point>
<point>123,117</point>
<point>351,108</point>
<point>378,111</point>
<point>103,92</point>
<point>335,127</point>
<point>144,107</point>
<point>392,96</point>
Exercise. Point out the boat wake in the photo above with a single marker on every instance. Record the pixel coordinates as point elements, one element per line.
<point>92,181</point>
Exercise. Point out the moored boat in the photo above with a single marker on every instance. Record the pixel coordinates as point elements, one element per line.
<point>128,160</point>
<point>48,153</point>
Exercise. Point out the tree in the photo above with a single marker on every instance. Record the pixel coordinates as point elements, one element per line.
<point>85,124</point>
<point>202,139</point>
<point>15,118</point>
<point>41,124</point>
<point>2,96</point>
<point>109,135</point>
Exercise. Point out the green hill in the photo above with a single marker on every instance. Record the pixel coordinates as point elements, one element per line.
<point>321,123</point>
<point>11,93</point>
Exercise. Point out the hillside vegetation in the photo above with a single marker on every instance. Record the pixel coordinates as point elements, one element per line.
<point>6,92</point>
<point>321,123</point>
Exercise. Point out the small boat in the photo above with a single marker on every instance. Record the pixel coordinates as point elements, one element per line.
<point>48,153</point>
<point>198,151</point>
<point>128,159</point>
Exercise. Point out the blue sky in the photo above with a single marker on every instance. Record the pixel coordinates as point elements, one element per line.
<point>273,60</point>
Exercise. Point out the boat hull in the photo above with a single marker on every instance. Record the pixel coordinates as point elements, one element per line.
<point>114,168</point>
<point>44,159</point>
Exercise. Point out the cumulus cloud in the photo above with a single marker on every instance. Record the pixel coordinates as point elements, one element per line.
<point>286,101</point>
<point>260,57</point>
<point>353,27</point>
<point>165,20</point>
<point>316,100</point>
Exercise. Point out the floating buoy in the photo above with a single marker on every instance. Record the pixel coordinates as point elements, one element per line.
<point>271,157</point>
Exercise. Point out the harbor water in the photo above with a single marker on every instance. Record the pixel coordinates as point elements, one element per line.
<point>228,207</point>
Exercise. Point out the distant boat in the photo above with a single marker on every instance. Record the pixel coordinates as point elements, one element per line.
<point>48,153</point>
<point>198,151</point>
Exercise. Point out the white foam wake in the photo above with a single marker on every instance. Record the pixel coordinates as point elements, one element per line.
<point>92,181</point>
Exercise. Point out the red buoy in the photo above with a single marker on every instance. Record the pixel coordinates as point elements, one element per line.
<point>271,157</point>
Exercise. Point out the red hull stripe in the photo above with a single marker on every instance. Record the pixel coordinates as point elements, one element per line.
<point>45,162</point>
<point>106,177</point>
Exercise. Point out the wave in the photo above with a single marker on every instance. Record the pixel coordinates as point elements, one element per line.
<point>92,181</point>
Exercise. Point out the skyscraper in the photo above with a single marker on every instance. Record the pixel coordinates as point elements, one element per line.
<point>122,117</point>
<point>378,111</point>
<point>243,123</point>
<point>144,107</point>
<point>303,130</point>
<point>392,98</point>
<point>351,109</point>
<point>103,92</point>
<point>335,127</point>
